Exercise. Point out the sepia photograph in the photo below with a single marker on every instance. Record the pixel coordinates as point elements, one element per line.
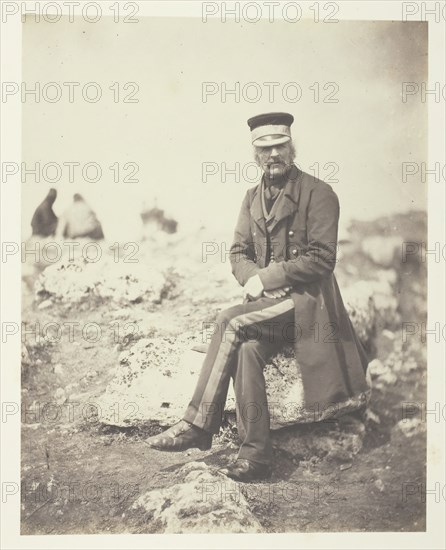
<point>225,216</point>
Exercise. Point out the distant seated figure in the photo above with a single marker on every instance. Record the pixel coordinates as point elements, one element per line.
<point>44,220</point>
<point>79,221</point>
<point>157,217</point>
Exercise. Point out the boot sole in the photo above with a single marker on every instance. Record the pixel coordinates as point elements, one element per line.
<point>248,478</point>
<point>201,447</point>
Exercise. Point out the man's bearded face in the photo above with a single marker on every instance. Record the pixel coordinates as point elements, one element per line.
<point>275,160</point>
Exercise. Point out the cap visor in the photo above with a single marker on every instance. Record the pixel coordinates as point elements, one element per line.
<point>269,141</point>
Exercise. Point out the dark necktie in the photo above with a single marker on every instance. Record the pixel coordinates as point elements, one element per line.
<point>272,190</point>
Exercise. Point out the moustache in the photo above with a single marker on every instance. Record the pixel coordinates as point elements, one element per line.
<point>278,162</point>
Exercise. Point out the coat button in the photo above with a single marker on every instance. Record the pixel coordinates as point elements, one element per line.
<point>294,250</point>
<point>291,233</point>
<point>254,234</point>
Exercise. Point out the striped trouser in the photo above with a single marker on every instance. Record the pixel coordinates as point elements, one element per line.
<point>244,338</point>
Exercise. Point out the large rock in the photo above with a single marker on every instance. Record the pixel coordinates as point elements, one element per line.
<point>154,381</point>
<point>336,440</point>
<point>72,282</point>
<point>199,500</point>
<point>157,377</point>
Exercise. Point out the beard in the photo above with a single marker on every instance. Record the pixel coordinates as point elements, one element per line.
<point>276,171</point>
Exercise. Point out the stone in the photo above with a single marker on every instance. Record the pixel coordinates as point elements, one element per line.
<point>154,382</point>
<point>388,379</point>
<point>371,305</point>
<point>199,500</point>
<point>58,369</point>
<point>384,251</point>
<point>409,427</point>
<point>389,335</point>
<point>360,306</point>
<point>123,283</point>
<point>382,373</point>
<point>408,366</point>
<point>157,377</point>
<point>60,396</point>
<point>371,416</point>
<point>377,368</point>
<point>45,304</point>
<point>379,484</point>
<point>26,360</point>
<point>335,439</point>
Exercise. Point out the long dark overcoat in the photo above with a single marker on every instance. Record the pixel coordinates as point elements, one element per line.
<point>304,236</point>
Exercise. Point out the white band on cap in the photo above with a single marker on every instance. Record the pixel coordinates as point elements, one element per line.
<point>270,130</point>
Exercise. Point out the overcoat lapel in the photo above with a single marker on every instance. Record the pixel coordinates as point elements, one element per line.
<point>257,210</point>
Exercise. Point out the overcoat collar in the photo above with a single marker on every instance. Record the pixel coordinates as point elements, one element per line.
<point>288,201</point>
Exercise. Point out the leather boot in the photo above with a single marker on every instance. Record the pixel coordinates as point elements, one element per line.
<point>180,437</point>
<point>245,470</point>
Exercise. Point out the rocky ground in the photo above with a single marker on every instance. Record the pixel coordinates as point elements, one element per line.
<point>112,340</point>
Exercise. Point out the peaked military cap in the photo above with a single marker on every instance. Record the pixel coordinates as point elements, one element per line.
<point>270,129</point>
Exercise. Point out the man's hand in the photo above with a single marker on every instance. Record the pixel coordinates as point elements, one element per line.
<point>253,288</point>
<point>277,292</point>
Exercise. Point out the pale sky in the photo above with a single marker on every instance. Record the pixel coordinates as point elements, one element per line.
<point>171,131</point>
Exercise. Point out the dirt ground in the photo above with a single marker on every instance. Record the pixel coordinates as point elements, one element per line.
<point>79,476</point>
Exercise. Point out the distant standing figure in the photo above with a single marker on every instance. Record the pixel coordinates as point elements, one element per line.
<point>44,220</point>
<point>79,220</point>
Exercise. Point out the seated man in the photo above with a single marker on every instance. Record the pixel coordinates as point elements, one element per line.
<point>283,254</point>
<point>79,221</point>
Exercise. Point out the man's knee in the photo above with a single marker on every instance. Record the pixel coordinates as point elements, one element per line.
<point>228,315</point>
<point>253,349</point>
